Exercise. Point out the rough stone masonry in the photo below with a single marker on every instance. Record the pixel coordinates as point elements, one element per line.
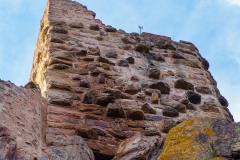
<point>93,86</point>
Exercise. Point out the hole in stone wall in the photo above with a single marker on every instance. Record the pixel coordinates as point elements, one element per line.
<point>99,156</point>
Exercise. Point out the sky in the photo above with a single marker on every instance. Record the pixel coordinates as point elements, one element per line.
<point>212,25</point>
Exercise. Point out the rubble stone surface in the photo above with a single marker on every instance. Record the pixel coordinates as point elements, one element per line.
<point>96,91</point>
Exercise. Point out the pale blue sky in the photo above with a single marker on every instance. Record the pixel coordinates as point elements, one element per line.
<point>212,25</point>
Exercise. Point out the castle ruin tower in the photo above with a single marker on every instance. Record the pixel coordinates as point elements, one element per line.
<point>110,87</point>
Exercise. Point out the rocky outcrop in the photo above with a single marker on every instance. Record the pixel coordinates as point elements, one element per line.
<point>23,129</point>
<point>108,86</point>
<point>203,138</point>
<point>140,147</point>
<point>104,92</point>
<point>8,145</point>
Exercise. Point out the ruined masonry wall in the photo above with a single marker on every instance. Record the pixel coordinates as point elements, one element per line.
<point>107,85</point>
<point>22,111</point>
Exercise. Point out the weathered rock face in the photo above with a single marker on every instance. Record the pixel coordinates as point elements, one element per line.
<point>21,121</point>
<point>8,145</point>
<point>109,86</point>
<point>23,128</point>
<point>113,95</point>
<point>203,138</point>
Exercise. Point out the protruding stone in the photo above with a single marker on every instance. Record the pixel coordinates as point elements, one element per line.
<point>149,92</point>
<point>128,40</point>
<point>84,84</point>
<point>118,134</point>
<point>203,90</point>
<point>154,73</point>
<point>130,60</point>
<point>56,40</point>
<point>89,97</point>
<point>183,84</point>
<point>87,132</point>
<point>76,25</point>
<point>58,85</point>
<point>123,63</point>
<point>169,45</point>
<point>93,51</point>
<point>134,78</point>
<point>186,63</point>
<point>170,112</point>
<point>152,131</point>
<point>193,97</point>
<point>132,89</point>
<point>223,101</point>
<point>154,98</point>
<point>88,59</point>
<point>191,106</point>
<point>92,116</point>
<point>205,63</point>
<point>142,48</point>
<point>111,54</point>
<point>148,108</point>
<point>171,73</point>
<point>104,99</point>
<point>60,101</point>
<point>185,101</point>
<point>55,29</point>
<point>94,27</point>
<point>82,52</point>
<point>134,34</point>
<point>136,114</point>
<point>129,149</point>
<point>154,56</point>
<point>180,107</point>
<point>104,60</point>
<point>105,66</point>
<point>52,61</point>
<point>114,91</point>
<point>162,86</point>
<point>167,124</point>
<point>110,29</point>
<point>101,78</point>
<point>177,56</point>
<point>59,66</point>
<point>30,85</point>
<point>210,107</point>
<point>115,110</point>
<point>180,74</point>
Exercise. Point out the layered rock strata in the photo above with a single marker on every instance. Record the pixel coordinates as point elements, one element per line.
<point>109,86</point>
<point>23,128</point>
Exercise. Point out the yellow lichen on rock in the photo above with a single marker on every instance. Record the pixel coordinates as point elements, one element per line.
<point>218,158</point>
<point>189,140</point>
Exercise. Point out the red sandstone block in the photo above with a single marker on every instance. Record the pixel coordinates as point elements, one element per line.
<point>98,123</point>
<point>64,112</point>
<point>58,131</point>
<point>62,125</point>
<point>56,119</point>
<point>106,141</point>
<point>107,149</point>
<point>92,144</point>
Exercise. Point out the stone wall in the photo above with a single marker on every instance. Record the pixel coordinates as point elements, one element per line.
<point>23,128</point>
<point>108,86</point>
<point>21,112</point>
